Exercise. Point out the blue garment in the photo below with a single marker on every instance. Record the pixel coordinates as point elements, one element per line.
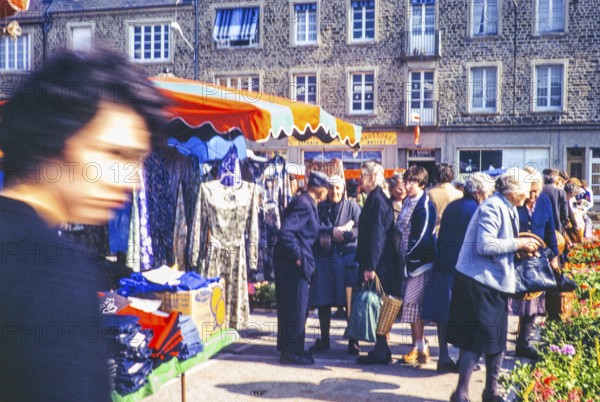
<point>214,149</point>
<point>541,222</point>
<point>118,229</point>
<point>137,283</point>
<point>487,254</point>
<point>422,239</point>
<point>376,249</point>
<point>295,241</point>
<point>453,226</point>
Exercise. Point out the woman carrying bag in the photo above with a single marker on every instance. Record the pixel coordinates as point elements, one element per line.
<point>375,248</point>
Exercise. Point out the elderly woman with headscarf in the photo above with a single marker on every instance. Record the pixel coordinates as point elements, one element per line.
<point>535,216</point>
<point>485,279</point>
<point>336,268</point>
<point>456,218</point>
<point>375,251</point>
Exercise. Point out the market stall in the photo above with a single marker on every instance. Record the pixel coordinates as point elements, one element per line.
<point>206,206</point>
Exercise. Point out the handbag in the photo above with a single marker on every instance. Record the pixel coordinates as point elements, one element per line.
<point>533,272</point>
<point>364,314</point>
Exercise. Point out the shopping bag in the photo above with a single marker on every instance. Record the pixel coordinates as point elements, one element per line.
<point>364,314</point>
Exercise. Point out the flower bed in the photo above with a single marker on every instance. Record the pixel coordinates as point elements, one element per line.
<point>569,367</point>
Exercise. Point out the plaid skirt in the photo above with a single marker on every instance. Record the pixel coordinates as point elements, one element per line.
<point>413,296</point>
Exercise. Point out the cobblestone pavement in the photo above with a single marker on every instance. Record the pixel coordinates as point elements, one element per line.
<point>249,370</point>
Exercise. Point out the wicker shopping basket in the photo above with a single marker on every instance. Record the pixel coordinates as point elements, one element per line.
<point>390,308</point>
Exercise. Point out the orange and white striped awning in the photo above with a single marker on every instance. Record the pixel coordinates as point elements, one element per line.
<point>259,116</point>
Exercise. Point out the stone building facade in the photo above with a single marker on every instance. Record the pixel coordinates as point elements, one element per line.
<point>491,83</point>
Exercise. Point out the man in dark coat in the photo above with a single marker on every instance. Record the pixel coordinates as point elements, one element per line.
<point>376,252</point>
<point>294,266</point>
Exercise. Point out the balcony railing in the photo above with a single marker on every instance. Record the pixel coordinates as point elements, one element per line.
<point>423,44</point>
<point>426,111</point>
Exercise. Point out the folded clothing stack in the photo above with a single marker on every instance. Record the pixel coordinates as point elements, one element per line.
<point>130,361</point>
<point>192,345</point>
<point>166,342</point>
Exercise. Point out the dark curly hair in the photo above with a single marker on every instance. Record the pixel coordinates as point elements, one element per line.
<point>61,98</point>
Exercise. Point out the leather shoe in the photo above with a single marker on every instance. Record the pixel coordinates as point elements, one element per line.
<point>446,366</point>
<point>353,347</point>
<point>485,397</point>
<point>423,357</point>
<point>373,358</point>
<point>411,357</point>
<point>455,398</point>
<point>319,346</point>
<point>296,358</point>
<point>527,352</point>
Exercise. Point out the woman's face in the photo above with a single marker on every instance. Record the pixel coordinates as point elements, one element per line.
<point>398,192</point>
<point>367,182</point>
<point>518,197</point>
<point>336,192</point>
<point>534,193</point>
<point>104,164</point>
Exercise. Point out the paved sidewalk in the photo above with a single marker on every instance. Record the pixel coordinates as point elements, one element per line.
<point>249,370</point>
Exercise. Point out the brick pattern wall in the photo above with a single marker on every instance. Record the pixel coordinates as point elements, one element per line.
<point>332,58</point>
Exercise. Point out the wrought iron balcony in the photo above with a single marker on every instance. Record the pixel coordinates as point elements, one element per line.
<point>421,44</point>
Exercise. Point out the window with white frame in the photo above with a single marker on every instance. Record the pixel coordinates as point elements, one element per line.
<point>15,54</point>
<point>243,82</point>
<point>236,27</point>
<point>422,27</point>
<point>484,17</point>
<point>421,97</point>
<point>150,42</point>
<point>82,37</point>
<point>550,16</point>
<point>483,89</point>
<point>304,88</point>
<point>362,20</point>
<point>305,18</point>
<point>549,87</point>
<point>363,92</point>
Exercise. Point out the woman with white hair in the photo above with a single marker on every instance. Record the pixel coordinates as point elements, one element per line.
<point>376,252</point>
<point>535,216</point>
<point>336,268</point>
<point>486,277</point>
<point>453,226</point>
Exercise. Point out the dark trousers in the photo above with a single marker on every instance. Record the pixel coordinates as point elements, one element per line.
<point>291,289</point>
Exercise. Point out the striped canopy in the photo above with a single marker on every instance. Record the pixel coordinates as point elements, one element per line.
<point>11,7</point>
<point>259,116</point>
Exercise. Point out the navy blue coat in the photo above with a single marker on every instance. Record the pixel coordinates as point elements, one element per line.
<point>348,210</point>
<point>421,241</point>
<point>299,232</point>
<point>541,222</point>
<point>375,246</point>
<point>453,227</point>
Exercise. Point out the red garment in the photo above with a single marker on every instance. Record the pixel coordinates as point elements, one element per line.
<point>166,329</point>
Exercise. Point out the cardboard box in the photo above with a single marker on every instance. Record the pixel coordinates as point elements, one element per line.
<point>206,306</point>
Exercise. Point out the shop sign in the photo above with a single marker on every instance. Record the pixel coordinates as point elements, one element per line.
<point>368,138</point>
<point>421,153</point>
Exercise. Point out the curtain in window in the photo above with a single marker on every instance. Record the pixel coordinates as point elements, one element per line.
<point>485,17</point>
<point>306,7</point>
<point>360,4</point>
<point>237,24</point>
<point>423,1</point>
<point>550,15</point>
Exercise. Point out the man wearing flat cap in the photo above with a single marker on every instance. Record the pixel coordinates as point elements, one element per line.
<point>294,267</point>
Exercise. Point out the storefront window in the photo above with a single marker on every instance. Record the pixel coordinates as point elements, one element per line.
<point>477,160</point>
<point>351,160</point>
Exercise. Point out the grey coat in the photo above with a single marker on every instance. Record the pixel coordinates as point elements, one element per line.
<point>487,254</point>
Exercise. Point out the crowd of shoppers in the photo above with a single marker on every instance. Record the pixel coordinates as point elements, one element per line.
<point>446,251</point>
